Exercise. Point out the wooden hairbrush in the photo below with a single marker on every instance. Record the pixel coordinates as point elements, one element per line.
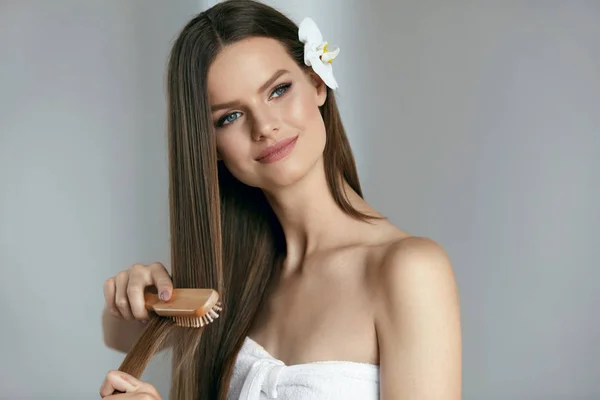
<point>190,308</point>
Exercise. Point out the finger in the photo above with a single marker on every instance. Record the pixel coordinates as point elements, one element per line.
<point>162,281</point>
<point>121,300</point>
<point>126,384</point>
<point>110,288</point>
<point>132,396</point>
<point>139,278</point>
<point>117,380</point>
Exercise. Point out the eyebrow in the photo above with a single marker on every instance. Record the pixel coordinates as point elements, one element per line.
<point>264,87</point>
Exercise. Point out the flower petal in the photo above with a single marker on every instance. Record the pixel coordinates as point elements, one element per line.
<point>315,51</point>
<point>325,71</point>
<point>309,32</point>
<point>328,56</point>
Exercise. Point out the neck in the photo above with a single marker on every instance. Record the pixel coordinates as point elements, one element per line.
<point>311,219</point>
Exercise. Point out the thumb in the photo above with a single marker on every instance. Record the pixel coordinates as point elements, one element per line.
<point>164,287</point>
<point>162,281</point>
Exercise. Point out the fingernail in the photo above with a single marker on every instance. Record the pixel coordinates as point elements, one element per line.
<point>164,296</point>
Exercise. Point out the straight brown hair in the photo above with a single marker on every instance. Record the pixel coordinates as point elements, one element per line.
<point>224,234</point>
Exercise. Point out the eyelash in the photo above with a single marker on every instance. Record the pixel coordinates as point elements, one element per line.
<point>221,122</point>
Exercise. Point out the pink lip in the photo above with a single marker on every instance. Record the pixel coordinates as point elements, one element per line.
<point>277,151</point>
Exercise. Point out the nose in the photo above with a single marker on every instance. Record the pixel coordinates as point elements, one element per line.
<point>266,124</point>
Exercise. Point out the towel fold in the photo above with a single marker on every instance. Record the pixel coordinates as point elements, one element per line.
<point>259,376</point>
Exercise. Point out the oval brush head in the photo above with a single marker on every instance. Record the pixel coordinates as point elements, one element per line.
<point>192,308</point>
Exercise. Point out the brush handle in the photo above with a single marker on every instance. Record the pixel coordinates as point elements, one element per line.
<point>187,303</point>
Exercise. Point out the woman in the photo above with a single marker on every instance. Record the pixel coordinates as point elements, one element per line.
<point>266,208</point>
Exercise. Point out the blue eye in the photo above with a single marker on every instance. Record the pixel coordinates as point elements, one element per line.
<point>226,120</point>
<point>232,117</point>
<point>280,90</point>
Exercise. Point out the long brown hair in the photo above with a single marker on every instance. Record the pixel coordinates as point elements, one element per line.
<point>224,234</point>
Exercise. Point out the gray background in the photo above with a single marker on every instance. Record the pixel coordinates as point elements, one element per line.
<point>474,123</point>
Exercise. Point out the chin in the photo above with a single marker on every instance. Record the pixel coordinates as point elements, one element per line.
<point>276,176</point>
<point>289,173</point>
<point>295,168</point>
<point>284,177</point>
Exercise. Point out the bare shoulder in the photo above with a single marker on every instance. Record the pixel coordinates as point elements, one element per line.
<point>417,321</point>
<point>414,266</point>
<point>413,254</point>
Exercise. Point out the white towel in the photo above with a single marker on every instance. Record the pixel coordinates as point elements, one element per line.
<point>259,376</point>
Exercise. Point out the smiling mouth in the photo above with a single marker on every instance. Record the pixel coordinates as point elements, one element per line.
<point>277,151</point>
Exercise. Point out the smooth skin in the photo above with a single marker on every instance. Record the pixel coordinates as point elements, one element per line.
<point>348,290</point>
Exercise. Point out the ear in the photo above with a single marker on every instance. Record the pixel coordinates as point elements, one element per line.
<point>320,87</point>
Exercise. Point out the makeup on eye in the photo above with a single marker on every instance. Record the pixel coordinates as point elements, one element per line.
<point>284,87</point>
<point>277,92</point>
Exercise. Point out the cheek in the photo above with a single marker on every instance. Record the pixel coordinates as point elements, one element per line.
<point>235,151</point>
<point>304,116</point>
<point>302,109</point>
<point>307,120</point>
<point>232,148</point>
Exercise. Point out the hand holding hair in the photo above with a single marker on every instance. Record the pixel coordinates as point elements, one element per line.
<point>127,387</point>
<point>192,309</point>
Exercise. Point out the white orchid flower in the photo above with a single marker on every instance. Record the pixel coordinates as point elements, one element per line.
<point>316,52</point>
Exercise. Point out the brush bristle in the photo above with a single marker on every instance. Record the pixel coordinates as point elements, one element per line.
<point>199,322</point>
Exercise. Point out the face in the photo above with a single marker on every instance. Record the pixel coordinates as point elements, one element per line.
<point>265,109</point>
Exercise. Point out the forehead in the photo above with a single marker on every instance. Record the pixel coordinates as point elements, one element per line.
<point>246,65</point>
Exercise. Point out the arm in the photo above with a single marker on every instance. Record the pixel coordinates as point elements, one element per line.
<point>418,324</point>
